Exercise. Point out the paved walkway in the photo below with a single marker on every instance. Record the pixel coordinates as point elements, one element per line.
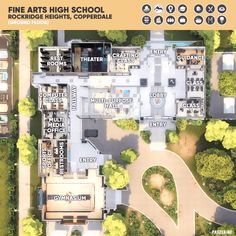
<point>61,38</point>
<point>157,35</point>
<point>24,127</point>
<point>191,198</point>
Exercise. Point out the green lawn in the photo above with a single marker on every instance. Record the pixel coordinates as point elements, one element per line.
<point>15,83</point>
<point>3,190</point>
<point>180,35</point>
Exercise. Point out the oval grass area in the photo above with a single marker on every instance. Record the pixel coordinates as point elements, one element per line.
<point>158,182</point>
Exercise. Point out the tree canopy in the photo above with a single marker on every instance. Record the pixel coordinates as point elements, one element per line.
<point>38,37</point>
<point>215,130</point>
<point>230,197</point>
<point>119,36</point>
<point>114,225</point>
<point>208,37</point>
<point>27,107</point>
<point>32,227</point>
<point>214,163</point>
<point>26,145</point>
<point>181,124</point>
<point>116,176</point>
<point>129,155</point>
<point>138,40</point>
<point>227,83</point>
<point>216,39</point>
<point>230,138</point>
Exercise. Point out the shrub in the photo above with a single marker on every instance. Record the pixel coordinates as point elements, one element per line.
<point>129,124</point>
<point>146,136</point>
<point>181,124</point>
<point>129,155</point>
<point>173,137</point>
<point>14,44</point>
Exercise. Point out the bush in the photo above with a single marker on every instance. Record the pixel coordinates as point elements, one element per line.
<point>138,40</point>
<point>32,227</point>
<point>129,124</point>
<point>146,136</point>
<point>181,124</point>
<point>173,137</point>
<point>76,233</point>
<point>129,155</point>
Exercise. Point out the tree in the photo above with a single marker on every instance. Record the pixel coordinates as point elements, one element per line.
<point>138,40</point>
<point>146,135</point>
<point>230,197</point>
<point>227,84</point>
<point>116,176</point>
<point>233,38</point>
<point>26,145</point>
<point>27,107</point>
<point>32,227</point>
<point>208,37</point>
<point>181,124</point>
<point>172,137</point>
<point>216,39</point>
<point>76,233</point>
<point>215,130</point>
<point>14,44</point>
<point>225,230</point>
<point>38,37</point>
<point>230,138</point>
<point>129,124</point>
<point>129,155</point>
<point>114,225</point>
<point>119,36</point>
<point>214,163</point>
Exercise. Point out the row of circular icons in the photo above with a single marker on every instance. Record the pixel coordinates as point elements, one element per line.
<point>170,20</point>
<point>146,8</point>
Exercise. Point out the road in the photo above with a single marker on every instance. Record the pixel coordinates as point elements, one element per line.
<point>191,197</point>
<point>24,127</point>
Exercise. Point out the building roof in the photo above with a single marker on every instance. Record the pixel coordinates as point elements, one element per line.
<point>228,61</point>
<point>229,105</point>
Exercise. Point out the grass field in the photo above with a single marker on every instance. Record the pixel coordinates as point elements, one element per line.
<point>3,190</point>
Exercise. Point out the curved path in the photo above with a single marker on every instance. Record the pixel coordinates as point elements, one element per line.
<point>190,196</point>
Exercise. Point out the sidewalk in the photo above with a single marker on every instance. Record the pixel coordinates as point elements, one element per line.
<point>24,127</point>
